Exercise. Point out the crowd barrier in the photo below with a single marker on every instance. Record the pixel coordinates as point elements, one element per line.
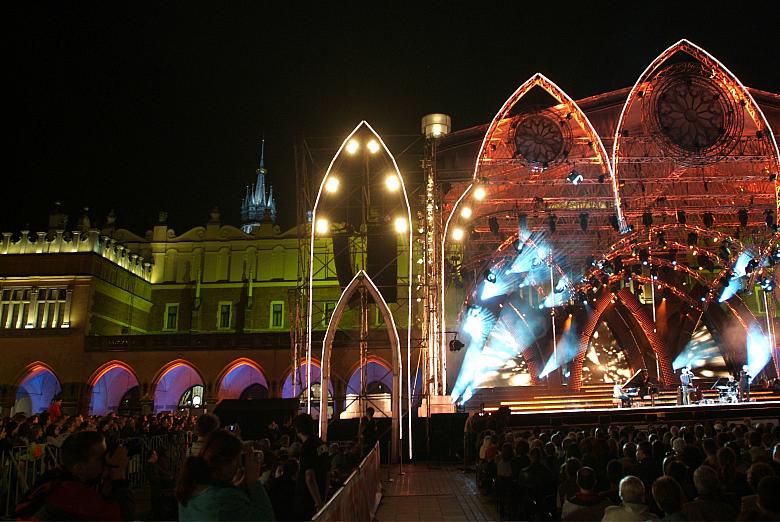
<point>359,497</point>
<point>22,466</point>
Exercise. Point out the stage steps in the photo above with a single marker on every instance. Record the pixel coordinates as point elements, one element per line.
<point>590,396</point>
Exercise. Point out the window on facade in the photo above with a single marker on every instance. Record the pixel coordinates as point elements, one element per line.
<point>223,320</point>
<point>171,316</point>
<point>330,306</point>
<point>33,307</point>
<point>277,314</point>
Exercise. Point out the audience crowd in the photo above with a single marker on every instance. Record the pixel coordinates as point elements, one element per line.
<point>709,471</point>
<point>204,472</point>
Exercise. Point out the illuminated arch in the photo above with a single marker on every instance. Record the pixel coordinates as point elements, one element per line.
<point>756,128</point>
<point>237,376</point>
<point>108,384</point>
<point>171,381</point>
<point>362,280</point>
<point>364,125</point>
<point>36,385</point>
<point>494,153</point>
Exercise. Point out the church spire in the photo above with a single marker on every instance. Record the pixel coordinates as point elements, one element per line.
<point>259,204</point>
<point>262,154</point>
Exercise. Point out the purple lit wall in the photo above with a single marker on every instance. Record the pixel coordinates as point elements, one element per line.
<point>110,389</point>
<point>36,391</point>
<point>239,379</point>
<point>287,388</point>
<point>375,372</point>
<point>172,386</point>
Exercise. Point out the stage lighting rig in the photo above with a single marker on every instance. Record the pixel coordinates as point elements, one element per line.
<point>661,237</point>
<point>681,219</point>
<point>743,217</point>
<point>647,219</point>
<point>584,221</point>
<point>644,256</point>
<point>768,284</point>
<point>456,345</point>
<point>725,250</point>
<point>769,215</point>
<point>693,239</point>
<point>751,265</point>
<point>709,219</point>
<point>552,221</point>
<point>493,225</point>
<point>490,276</point>
<point>673,256</point>
<point>575,178</point>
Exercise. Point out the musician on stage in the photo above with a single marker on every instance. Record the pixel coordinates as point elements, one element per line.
<point>744,384</point>
<point>617,393</point>
<point>686,379</point>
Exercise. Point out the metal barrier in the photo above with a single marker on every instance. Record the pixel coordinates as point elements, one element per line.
<point>359,497</point>
<point>23,466</point>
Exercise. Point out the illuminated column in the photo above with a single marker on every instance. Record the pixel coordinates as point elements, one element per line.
<point>434,126</point>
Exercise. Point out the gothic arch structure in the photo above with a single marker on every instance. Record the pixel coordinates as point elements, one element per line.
<point>364,282</point>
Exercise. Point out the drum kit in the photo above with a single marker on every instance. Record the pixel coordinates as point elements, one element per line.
<point>729,393</point>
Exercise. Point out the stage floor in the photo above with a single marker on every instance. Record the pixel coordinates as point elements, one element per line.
<point>767,410</point>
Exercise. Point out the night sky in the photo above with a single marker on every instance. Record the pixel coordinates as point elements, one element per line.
<point>164,106</point>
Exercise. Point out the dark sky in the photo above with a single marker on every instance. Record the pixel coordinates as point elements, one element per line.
<point>163,106</point>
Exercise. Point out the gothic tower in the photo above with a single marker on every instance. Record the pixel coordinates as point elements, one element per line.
<point>258,206</point>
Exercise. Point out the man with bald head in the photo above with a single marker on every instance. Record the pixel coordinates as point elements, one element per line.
<point>632,507</point>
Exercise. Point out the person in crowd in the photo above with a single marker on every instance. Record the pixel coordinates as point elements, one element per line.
<point>709,504</point>
<point>669,497</point>
<point>369,432</point>
<point>647,469</point>
<point>586,504</point>
<point>212,485</point>
<point>205,426</point>
<point>568,484</point>
<point>632,507</point>
<point>282,490</point>
<point>755,474</point>
<point>311,484</point>
<point>90,485</point>
<point>614,475</point>
<point>55,408</point>
<point>161,485</point>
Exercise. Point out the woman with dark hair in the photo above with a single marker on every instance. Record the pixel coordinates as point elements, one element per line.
<point>211,486</point>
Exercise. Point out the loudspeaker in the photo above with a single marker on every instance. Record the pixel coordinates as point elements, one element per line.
<point>342,258</point>
<point>382,259</point>
<point>254,416</point>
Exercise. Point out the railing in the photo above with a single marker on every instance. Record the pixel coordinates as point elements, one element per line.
<point>359,497</point>
<point>23,466</point>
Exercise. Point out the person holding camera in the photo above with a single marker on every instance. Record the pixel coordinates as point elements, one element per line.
<point>90,485</point>
<point>214,486</point>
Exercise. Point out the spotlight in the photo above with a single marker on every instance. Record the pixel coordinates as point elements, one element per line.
<point>644,256</point>
<point>708,219</point>
<point>457,234</point>
<point>613,220</point>
<point>372,146</point>
<point>522,222</point>
<point>725,250</point>
<point>480,193</point>
<point>743,217</point>
<point>574,177</point>
<point>465,212</point>
<point>584,221</point>
<point>490,277</point>
<point>352,146</point>
<point>693,239</point>
<point>493,225</point>
<point>332,185</point>
<point>552,220</point>
<point>661,239</point>
<point>392,182</point>
<point>751,265</point>
<point>647,219</point>
<point>673,256</point>
<point>400,225</point>
<point>768,284</point>
<point>774,256</point>
<point>681,219</point>
<point>769,215</point>
<point>456,345</point>
<point>519,245</point>
<point>323,226</point>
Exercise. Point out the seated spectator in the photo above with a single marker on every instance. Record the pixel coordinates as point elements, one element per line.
<point>586,504</point>
<point>614,475</point>
<point>205,426</point>
<point>69,493</point>
<point>757,471</point>
<point>757,451</point>
<point>568,481</point>
<point>210,487</point>
<point>668,496</point>
<point>646,469</point>
<point>709,504</point>
<point>632,507</point>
